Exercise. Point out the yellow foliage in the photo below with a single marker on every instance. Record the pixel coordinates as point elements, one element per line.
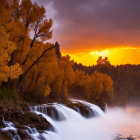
<point>95,85</point>
<point>16,30</point>
<point>14,71</point>
<point>6,49</point>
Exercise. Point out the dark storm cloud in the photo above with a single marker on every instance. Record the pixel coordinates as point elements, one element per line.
<point>96,23</point>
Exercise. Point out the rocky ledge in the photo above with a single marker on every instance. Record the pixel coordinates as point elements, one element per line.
<point>22,118</point>
<point>84,110</point>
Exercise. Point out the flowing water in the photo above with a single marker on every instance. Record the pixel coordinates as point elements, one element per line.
<point>71,125</point>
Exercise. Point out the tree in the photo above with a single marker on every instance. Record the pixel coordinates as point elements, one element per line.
<point>103,61</point>
<point>34,19</point>
<point>57,49</point>
<point>26,17</point>
<point>6,49</point>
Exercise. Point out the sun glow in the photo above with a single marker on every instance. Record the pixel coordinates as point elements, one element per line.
<point>117,56</point>
<point>103,53</point>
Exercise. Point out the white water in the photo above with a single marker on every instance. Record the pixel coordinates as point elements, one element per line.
<point>73,126</point>
<point>104,127</point>
<point>10,126</point>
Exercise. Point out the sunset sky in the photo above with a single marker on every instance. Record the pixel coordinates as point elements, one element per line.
<point>87,29</point>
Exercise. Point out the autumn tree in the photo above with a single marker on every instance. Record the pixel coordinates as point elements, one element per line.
<point>103,61</point>
<point>64,78</point>
<point>26,18</point>
<point>57,49</point>
<point>96,87</point>
<point>7,47</point>
<point>42,75</point>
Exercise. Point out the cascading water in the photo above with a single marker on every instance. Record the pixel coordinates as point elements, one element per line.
<point>72,124</point>
<point>10,126</point>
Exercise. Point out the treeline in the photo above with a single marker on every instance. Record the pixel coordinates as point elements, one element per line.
<point>34,70</point>
<point>126,79</point>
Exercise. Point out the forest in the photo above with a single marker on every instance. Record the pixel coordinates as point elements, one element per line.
<point>33,69</point>
<point>126,79</point>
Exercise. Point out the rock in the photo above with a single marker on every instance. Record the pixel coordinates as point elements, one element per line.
<point>84,110</point>
<point>23,135</point>
<point>131,137</point>
<point>4,136</point>
<point>22,117</point>
<point>19,125</point>
<point>54,114</point>
<point>51,111</point>
<point>41,137</point>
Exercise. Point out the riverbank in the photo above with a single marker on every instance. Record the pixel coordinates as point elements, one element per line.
<point>19,116</point>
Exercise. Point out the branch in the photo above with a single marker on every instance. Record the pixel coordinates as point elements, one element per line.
<point>37,60</point>
<point>36,26</point>
<point>41,35</point>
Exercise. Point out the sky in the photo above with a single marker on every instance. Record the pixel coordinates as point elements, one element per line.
<point>86,29</point>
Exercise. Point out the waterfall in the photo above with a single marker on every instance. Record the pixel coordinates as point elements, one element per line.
<point>71,123</point>
<point>65,119</point>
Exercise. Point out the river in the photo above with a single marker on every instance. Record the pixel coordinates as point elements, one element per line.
<point>114,124</point>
